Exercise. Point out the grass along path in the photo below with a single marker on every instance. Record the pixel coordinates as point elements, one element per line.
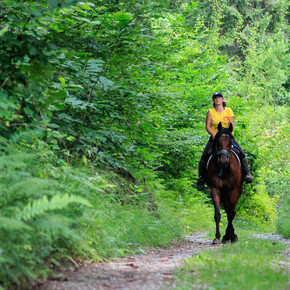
<point>255,262</point>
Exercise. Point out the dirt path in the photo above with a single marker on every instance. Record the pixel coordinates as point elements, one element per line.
<point>153,270</point>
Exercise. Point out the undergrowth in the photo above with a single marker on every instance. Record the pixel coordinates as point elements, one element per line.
<point>52,211</point>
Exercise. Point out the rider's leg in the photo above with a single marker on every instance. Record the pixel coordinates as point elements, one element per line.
<point>201,173</point>
<point>244,163</point>
<point>203,161</point>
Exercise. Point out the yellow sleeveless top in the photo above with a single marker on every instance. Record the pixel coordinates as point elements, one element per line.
<point>220,117</point>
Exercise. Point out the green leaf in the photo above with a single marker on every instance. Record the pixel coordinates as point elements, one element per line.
<point>122,16</point>
<point>32,50</point>
<point>87,6</point>
<point>62,80</point>
<point>3,30</point>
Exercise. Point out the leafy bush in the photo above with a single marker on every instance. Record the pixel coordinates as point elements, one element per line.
<point>283,222</point>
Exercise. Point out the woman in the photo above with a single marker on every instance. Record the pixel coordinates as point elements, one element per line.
<point>220,113</point>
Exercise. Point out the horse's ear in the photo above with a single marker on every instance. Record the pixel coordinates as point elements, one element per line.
<point>231,128</point>
<point>220,126</point>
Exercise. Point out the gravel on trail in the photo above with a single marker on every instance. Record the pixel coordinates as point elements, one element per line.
<point>152,270</point>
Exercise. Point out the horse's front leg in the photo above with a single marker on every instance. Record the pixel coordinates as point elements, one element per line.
<point>230,231</point>
<point>215,195</point>
<point>230,209</point>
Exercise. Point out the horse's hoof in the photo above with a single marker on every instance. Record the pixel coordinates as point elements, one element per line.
<point>234,239</point>
<point>216,241</point>
<point>225,241</point>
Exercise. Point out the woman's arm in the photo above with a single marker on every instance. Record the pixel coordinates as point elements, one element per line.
<point>231,120</point>
<point>207,125</point>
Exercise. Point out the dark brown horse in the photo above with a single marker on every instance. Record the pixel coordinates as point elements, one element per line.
<point>224,177</point>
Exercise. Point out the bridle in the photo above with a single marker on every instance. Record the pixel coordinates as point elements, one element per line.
<point>223,152</point>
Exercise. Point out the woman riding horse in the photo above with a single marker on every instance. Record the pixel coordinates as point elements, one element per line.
<point>224,173</point>
<point>220,113</point>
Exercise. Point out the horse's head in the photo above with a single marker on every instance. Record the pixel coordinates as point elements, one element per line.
<point>223,143</point>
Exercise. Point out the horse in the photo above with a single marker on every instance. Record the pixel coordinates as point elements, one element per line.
<point>224,178</point>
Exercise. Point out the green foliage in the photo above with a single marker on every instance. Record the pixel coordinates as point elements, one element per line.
<point>39,206</point>
<point>110,97</point>
<point>32,223</point>
<point>283,223</point>
<point>50,211</point>
<point>249,264</point>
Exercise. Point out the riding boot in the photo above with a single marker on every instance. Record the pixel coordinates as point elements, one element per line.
<point>201,173</point>
<point>245,165</point>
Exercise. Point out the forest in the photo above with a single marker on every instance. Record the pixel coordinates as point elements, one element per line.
<point>102,123</point>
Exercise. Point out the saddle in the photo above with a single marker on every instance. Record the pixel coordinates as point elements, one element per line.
<point>234,149</point>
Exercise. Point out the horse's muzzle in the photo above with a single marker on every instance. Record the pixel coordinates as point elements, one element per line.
<point>223,162</point>
<point>223,158</point>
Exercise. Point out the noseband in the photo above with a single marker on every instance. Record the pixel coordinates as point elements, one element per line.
<point>225,152</point>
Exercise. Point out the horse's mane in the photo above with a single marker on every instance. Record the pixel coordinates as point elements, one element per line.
<point>223,131</point>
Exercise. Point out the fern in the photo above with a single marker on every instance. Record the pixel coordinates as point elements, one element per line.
<point>4,145</point>
<point>16,161</point>
<point>40,206</point>
<point>13,224</point>
<point>17,193</point>
<point>32,187</point>
<point>94,66</point>
<point>54,224</point>
<point>57,225</point>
